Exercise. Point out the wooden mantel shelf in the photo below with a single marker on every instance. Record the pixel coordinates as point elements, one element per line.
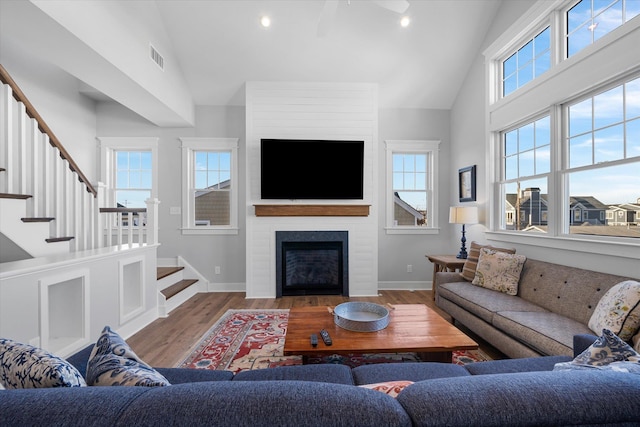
<point>312,210</point>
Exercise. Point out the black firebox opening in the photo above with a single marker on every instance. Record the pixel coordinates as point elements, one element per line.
<point>311,263</point>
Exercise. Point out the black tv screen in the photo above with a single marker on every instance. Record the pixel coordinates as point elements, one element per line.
<point>311,169</point>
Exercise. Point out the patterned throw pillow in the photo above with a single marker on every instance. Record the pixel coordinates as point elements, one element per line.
<point>499,271</point>
<point>392,388</point>
<point>618,310</point>
<point>607,350</point>
<point>471,263</point>
<point>112,362</point>
<point>26,366</point>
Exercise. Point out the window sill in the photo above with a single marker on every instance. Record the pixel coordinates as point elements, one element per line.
<point>209,230</point>
<point>412,230</point>
<point>625,248</point>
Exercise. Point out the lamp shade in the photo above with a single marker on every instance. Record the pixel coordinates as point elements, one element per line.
<point>463,215</point>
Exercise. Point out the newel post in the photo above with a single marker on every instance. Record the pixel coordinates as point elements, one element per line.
<point>152,221</point>
<point>99,222</point>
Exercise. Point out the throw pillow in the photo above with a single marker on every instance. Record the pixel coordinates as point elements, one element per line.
<point>618,310</point>
<point>471,263</point>
<point>26,366</point>
<point>112,362</point>
<point>608,352</point>
<point>499,271</point>
<point>392,388</point>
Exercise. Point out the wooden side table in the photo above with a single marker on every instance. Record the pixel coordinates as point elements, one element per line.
<point>444,263</point>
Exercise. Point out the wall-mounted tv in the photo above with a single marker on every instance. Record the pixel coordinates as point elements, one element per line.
<point>311,169</point>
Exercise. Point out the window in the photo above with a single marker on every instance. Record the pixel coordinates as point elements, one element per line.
<point>129,170</point>
<point>210,185</point>
<point>589,20</point>
<point>527,63</point>
<point>133,178</point>
<point>603,141</point>
<point>411,186</point>
<point>565,155</point>
<point>526,160</point>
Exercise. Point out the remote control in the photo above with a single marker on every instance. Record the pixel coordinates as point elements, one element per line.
<point>314,340</point>
<point>325,337</point>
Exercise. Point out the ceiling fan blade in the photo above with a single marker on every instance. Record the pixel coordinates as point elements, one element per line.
<point>398,6</point>
<point>327,17</point>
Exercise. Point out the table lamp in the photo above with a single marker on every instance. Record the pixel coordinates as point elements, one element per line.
<point>463,215</point>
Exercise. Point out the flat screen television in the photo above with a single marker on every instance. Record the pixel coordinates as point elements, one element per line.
<point>296,169</point>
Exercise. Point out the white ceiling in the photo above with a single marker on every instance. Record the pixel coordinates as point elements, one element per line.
<point>220,45</point>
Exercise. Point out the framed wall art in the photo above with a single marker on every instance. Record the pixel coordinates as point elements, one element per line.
<point>467,184</point>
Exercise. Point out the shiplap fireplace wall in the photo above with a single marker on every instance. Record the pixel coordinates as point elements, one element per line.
<point>341,111</point>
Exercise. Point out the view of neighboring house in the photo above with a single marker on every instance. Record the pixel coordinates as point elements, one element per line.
<point>530,211</point>
<point>405,214</point>
<point>623,214</point>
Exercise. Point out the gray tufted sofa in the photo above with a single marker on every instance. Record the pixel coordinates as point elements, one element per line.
<point>554,303</point>
<point>514,392</point>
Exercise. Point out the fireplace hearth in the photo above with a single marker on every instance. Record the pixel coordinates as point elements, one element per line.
<point>312,263</point>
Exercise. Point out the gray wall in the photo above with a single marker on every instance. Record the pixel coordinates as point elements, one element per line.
<point>396,251</point>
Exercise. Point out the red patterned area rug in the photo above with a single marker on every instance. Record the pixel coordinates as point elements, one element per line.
<point>254,339</point>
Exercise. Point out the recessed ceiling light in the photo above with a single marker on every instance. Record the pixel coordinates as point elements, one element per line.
<point>405,21</point>
<point>265,21</point>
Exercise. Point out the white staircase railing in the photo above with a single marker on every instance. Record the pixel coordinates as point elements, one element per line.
<point>34,163</point>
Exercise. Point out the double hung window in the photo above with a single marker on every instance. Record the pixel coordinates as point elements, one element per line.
<point>412,186</point>
<point>210,185</point>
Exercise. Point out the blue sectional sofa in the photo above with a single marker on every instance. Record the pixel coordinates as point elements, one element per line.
<point>515,392</point>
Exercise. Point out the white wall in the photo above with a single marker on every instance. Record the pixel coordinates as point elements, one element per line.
<point>54,94</point>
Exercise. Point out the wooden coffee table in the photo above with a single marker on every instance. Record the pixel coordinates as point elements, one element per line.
<point>412,328</point>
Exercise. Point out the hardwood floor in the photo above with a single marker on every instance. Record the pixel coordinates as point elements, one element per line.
<point>167,341</point>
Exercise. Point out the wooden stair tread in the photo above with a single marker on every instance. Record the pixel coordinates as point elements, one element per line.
<point>37,219</point>
<point>163,272</point>
<point>177,287</point>
<point>14,196</point>
<point>58,239</point>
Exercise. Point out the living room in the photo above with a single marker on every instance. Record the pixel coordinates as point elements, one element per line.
<point>52,76</point>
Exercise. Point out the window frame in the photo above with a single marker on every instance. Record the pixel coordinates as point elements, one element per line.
<point>567,79</point>
<point>189,145</point>
<point>108,148</point>
<point>431,148</point>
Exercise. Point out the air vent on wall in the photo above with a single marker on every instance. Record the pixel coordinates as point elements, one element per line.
<point>156,57</point>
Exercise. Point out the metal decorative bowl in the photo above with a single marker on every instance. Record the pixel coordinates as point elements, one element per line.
<point>361,316</point>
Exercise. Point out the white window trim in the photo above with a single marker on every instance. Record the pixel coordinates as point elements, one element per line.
<point>431,148</point>
<point>189,145</point>
<point>109,145</point>
<point>546,93</point>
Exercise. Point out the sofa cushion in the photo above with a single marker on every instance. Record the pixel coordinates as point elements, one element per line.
<point>499,271</point>
<point>328,373</point>
<point>410,371</point>
<point>511,366</point>
<point>548,333</point>
<point>26,366</point>
<point>113,363</point>
<point>525,399</point>
<point>469,268</point>
<point>264,403</point>
<point>483,302</point>
<point>618,310</point>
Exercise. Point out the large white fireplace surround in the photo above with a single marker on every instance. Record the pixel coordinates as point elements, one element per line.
<point>307,111</point>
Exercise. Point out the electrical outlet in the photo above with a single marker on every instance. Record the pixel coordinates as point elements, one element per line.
<point>175,210</point>
<point>217,269</point>
<point>409,268</point>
